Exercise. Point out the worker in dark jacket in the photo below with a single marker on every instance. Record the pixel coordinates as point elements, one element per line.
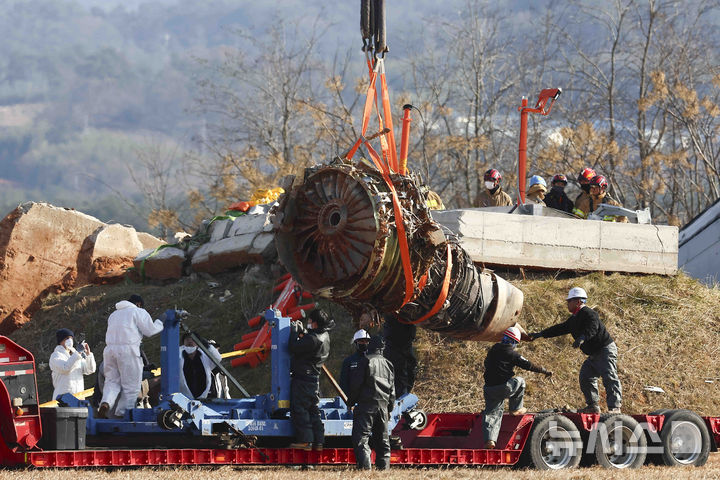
<point>309,348</point>
<point>557,198</point>
<point>360,342</point>
<point>501,383</point>
<point>372,391</point>
<point>399,338</point>
<point>593,339</point>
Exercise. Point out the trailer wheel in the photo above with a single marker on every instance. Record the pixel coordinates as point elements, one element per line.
<point>416,419</point>
<point>554,443</point>
<point>685,439</point>
<point>620,442</point>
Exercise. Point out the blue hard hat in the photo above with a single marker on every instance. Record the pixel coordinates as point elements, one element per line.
<point>537,179</point>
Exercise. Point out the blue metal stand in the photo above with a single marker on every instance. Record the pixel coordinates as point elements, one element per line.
<point>263,415</point>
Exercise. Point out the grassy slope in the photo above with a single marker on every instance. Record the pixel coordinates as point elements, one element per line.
<point>667,330</point>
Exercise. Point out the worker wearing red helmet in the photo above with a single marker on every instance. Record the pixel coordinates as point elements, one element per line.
<point>493,195</point>
<point>593,339</point>
<point>582,202</point>
<point>598,194</point>
<point>557,198</point>
<point>501,383</point>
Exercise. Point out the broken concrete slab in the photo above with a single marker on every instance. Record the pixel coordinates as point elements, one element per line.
<point>149,241</point>
<point>161,264</point>
<point>225,254</point>
<point>547,242</point>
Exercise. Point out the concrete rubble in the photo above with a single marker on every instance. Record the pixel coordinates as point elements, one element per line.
<point>46,249</point>
<point>232,242</point>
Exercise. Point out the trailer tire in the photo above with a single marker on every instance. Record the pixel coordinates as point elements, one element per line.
<point>685,439</point>
<point>554,443</point>
<point>620,442</point>
<point>661,411</point>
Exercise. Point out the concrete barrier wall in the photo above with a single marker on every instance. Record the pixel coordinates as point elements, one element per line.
<point>549,242</point>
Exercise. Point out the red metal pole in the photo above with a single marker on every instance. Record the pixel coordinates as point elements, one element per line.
<point>522,150</point>
<point>405,139</point>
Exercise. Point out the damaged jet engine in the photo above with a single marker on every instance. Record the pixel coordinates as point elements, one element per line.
<point>336,233</point>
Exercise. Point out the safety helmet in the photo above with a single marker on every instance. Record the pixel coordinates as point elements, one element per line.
<point>493,175</point>
<point>360,335</point>
<point>513,333</point>
<point>559,178</point>
<point>576,292</point>
<point>586,174</point>
<point>599,181</point>
<point>537,180</point>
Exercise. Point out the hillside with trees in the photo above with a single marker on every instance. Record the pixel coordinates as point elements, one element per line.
<point>162,113</point>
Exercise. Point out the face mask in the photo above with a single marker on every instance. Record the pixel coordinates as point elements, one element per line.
<point>309,326</point>
<point>558,188</point>
<point>489,185</point>
<point>585,188</point>
<point>362,347</point>
<point>68,343</point>
<point>190,350</point>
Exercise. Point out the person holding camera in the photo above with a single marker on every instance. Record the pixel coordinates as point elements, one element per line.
<point>310,348</point>
<point>68,365</point>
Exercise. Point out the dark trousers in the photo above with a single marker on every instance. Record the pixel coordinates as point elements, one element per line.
<point>370,427</point>
<point>405,367</point>
<point>602,364</point>
<point>304,411</point>
<point>514,391</point>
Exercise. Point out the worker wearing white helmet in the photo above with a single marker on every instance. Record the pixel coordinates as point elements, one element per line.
<point>590,336</point>
<point>501,383</point>
<point>360,341</point>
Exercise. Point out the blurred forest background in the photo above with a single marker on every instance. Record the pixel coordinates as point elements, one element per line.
<point>161,113</point>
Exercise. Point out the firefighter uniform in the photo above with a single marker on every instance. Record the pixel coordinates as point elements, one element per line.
<point>309,351</point>
<point>558,199</point>
<point>372,391</point>
<point>493,198</point>
<point>582,205</point>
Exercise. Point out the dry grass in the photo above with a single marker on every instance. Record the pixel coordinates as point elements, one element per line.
<point>710,471</point>
<point>667,330</point>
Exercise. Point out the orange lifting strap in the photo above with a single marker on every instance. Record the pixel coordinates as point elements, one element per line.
<point>388,163</point>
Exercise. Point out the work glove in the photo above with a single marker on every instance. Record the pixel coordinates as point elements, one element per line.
<point>578,342</point>
<point>535,335</point>
<point>546,372</point>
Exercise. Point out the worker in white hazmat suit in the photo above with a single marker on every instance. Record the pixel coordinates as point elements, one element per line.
<point>122,362</point>
<point>69,365</point>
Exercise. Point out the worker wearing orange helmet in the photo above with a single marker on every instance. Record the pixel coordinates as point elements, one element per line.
<point>582,202</point>
<point>493,195</point>
<point>501,383</point>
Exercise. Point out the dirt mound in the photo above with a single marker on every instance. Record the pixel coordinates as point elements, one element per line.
<point>46,249</point>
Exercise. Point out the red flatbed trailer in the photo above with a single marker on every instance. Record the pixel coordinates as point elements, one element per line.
<point>547,440</point>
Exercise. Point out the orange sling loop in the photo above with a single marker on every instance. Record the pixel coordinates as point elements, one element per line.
<point>393,161</point>
<point>443,293</point>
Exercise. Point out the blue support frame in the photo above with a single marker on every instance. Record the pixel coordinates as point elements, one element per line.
<point>262,415</point>
<point>170,355</point>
